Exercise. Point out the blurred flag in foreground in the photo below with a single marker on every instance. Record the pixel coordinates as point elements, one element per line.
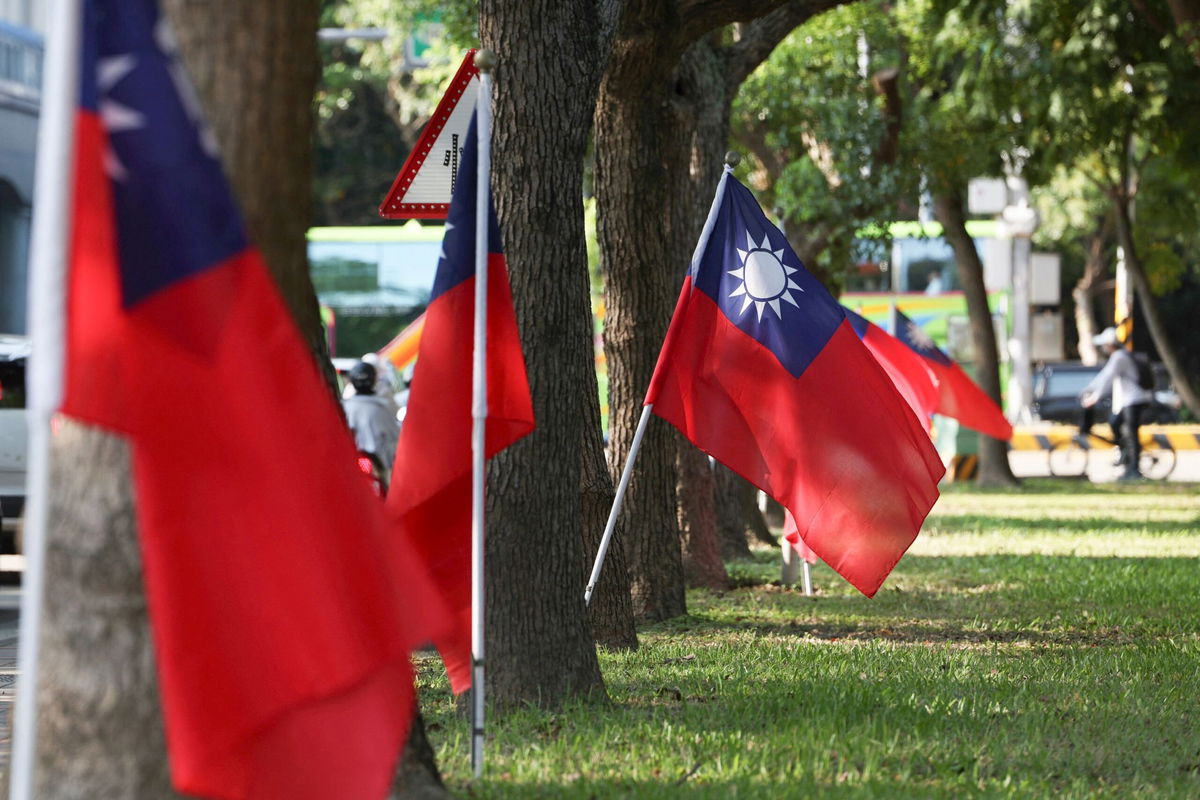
<point>908,371</point>
<point>282,630</point>
<point>762,370</point>
<point>958,396</point>
<point>431,478</point>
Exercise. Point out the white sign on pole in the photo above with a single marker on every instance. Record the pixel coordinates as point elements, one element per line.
<point>1044,275</point>
<point>986,195</point>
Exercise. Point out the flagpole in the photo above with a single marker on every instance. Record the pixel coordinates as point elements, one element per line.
<point>485,60</point>
<point>47,265</point>
<point>731,161</point>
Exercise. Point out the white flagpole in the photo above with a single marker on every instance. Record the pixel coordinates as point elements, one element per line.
<point>485,60</point>
<point>46,307</point>
<point>731,161</point>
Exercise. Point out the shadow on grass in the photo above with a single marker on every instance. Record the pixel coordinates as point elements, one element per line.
<point>1033,599</point>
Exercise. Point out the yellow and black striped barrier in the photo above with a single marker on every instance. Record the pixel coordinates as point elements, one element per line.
<point>1047,437</point>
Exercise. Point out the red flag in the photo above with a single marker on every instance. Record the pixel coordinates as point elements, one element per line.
<point>958,396</point>
<point>281,628</point>
<point>431,478</point>
<point>908,371</point>
<point>762,370</point>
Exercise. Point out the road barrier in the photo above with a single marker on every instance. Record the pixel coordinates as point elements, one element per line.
<point>1045,437</point>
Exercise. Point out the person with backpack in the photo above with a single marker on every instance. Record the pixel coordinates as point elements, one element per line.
<point>1131,389</point>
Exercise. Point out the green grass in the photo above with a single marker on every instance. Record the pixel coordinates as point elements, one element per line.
<point>1037,643</point>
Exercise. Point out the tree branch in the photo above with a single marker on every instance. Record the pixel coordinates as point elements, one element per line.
<point>755,40</point>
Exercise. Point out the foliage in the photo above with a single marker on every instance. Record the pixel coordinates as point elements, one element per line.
<point>811,105</point>
<point>1021,649</point>
<point>372,102</point>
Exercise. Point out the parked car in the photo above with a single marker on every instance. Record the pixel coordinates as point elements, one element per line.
<point>1056,388</point>
<point>14,437</point>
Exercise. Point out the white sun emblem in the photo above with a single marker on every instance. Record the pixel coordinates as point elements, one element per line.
<point>919,337</point>
<point>765,279</point>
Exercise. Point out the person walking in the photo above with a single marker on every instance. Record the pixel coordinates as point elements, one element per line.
<point>1119,378</point>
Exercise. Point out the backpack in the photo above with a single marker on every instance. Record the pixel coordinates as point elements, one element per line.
<point>1145,373</point>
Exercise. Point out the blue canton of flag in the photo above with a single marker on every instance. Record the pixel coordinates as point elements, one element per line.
<point>174,214</point>
<point>750,271</point>
<point>915,337</point>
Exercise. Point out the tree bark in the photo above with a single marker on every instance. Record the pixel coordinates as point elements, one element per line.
<point>734,494</point>
<point>661,127</point>
<point>994,469</point>
<point>1084,292</point>
<point>100,729</point>
<point>642,156</point>
<point>539,643</point>
<point>702,565</point>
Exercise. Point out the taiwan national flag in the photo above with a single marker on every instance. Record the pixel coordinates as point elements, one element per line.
<point>431,481</point>
<point>282,628</point>
<point>761,369</point>
<point>958,396</point>
<point>908,371</point>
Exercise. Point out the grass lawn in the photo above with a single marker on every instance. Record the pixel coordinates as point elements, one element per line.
<point>1037,643</point>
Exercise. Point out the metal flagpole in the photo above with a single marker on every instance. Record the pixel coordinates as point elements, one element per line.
<point>731,161</point>
<point>47,263</point>
<point>806,577</point>
<point>485,60</point>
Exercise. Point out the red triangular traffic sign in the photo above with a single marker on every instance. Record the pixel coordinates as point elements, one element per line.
<point>423,188</point>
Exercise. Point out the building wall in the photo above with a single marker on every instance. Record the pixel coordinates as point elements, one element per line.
<point>21,53</point>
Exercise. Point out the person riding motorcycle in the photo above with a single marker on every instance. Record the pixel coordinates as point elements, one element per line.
<point>371,417</point>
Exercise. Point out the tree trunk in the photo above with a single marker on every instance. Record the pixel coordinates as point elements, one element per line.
<point>702,565</point>
<point>100,729</point>
<point>662,122</point>
<point>994,469</point>
<point>1154,323</point>
<point>642,159</point>
<point>734,494</point>
<point>539,643</point>
<point>1085,291</point>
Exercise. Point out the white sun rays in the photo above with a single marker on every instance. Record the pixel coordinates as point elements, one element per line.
<point>120,118</point>
<point>116,117</point>
<point>764,279</point>
<point>918,336</point>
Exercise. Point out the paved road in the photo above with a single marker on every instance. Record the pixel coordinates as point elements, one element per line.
<point>1034,463</point>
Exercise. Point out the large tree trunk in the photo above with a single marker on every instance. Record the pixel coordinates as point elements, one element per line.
<point>994,469</point>
<point>540,648</point>
<point>1154,323</point>
<point>642,158</point>
<point>661,125</point>
<point>100,729</point>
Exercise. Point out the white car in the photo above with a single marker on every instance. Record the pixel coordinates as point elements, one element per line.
<point>14,436</point>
